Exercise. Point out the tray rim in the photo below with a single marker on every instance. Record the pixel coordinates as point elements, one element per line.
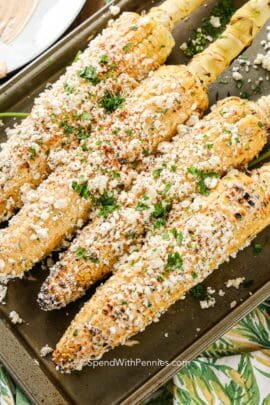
<point>58,396</point>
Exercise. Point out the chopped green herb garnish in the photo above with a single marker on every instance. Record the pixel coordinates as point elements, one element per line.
<point>257,249</point>
<point>260,124</point>
<point>141,206</point>
<point>81,189</point>
<point>199,292</point>
<point>81,254</point>
<point>85,116</point>
<point>127,47</point>
<point>82,134</point>
<point>107,202</point>
<point>174,261</point>
<point>32,153</point>
<point>112,101</point>
<point>67,128</point>
<point>75,333</point>
<point>68,89</point>
<point>156,173</point>
<point>160,214</point>
<point>90,73</point>
<point>202,176</point>
<point>104,60</point>
<point>223,81</point>
<point>146,152</point>
<point>178,235</point>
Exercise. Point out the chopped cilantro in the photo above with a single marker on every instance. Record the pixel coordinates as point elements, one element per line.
<point>66,127</point>
<point>82,134</point>
<point>257,249</point>
<point>174,261</point>
<point>104,60</point>
<point>199,292</point>
<point>160,214</point>
<point>32,153</point>
<point>129,132</point>
<point>134,27</point>
<point>81,189</point>
<point>111,101</point>
<point>260,124</point>
<point>68,89</point>
<point>146,152</point>
<point>81,254</point>
<point>156,173</point>
<point>85,116</point>
<point>178,235</point>
<point>107,202</point>
<point>201,175</point>
<point>90,73</point>
<point>126,48</point>
<point>141,206</point>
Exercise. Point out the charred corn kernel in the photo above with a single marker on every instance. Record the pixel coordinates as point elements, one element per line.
<point>87,180</point>
<point>244,25</point>
<point>230,136</point>
<point>154,278</point>
<point>66,112</point>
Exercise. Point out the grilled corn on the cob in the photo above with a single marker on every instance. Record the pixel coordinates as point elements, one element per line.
<point>65,113</point>
<point>98,168</point>
<point>230,136</point>
<point>151,280</point>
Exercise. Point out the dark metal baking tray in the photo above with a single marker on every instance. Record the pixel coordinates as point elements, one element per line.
<point>174,338</point>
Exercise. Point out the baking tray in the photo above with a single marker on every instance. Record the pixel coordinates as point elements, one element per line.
<point>175,338</point>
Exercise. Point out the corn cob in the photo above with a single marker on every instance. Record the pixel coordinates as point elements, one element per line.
<point>162,272</point>
<point>115,61</point>
<point>99,167</point>
<point>230,136</point>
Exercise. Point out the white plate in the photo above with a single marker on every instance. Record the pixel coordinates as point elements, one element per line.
<point>48,22</point>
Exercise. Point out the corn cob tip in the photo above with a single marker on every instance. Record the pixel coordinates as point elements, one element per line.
<point>48,301</point>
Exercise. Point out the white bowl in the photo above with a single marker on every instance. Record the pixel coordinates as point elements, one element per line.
<point>49,21</point>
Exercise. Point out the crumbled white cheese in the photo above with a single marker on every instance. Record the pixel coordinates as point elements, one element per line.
<point>221,293</point>
<point>211,182</point>
<point>208,303</point>
<point>3,293</point>
<point>233,304</point>
<point>15,317</point>
<point>166,334</point>
<point>115,10</point>
<point>183,46</point>
<point>235,282</point>
<point>45,350</point>
<point>61,203</point>
<point>237,76</point>
<point>215,21</point>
